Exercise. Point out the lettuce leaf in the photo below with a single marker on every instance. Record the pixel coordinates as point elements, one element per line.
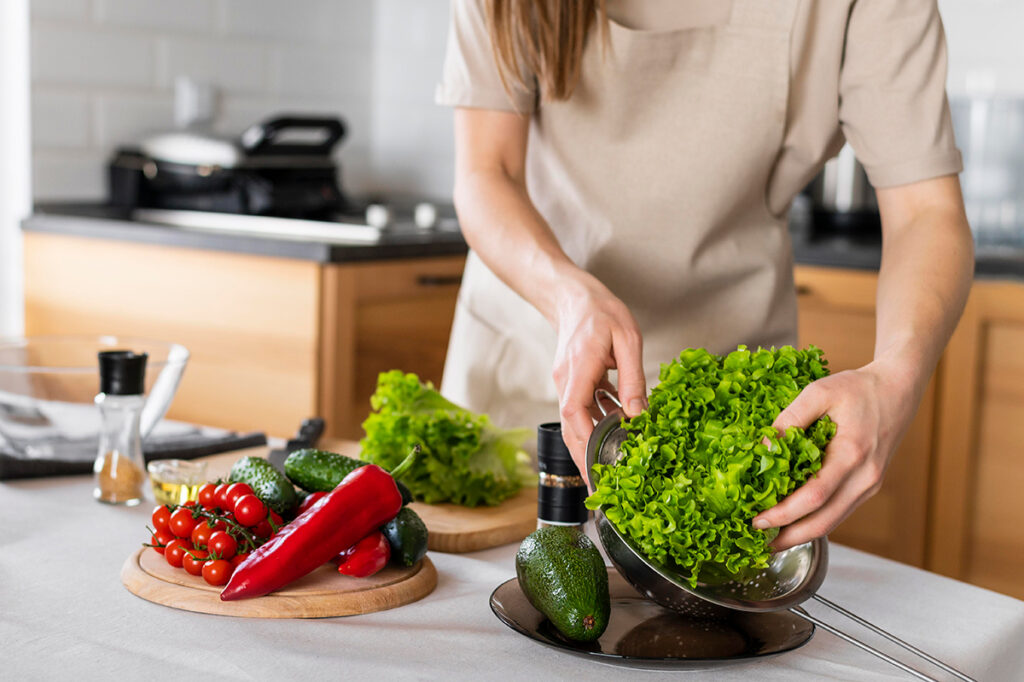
<point>465,458</point>
<point>694,469</point>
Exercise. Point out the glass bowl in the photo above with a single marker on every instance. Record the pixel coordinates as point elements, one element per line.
<point>48,383</point>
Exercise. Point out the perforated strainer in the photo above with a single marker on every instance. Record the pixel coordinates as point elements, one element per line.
<point>792,577</point>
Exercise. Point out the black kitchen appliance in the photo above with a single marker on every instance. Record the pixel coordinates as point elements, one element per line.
<point>280,167</point>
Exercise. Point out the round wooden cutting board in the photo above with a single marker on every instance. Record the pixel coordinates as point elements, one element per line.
<point>324,593</point>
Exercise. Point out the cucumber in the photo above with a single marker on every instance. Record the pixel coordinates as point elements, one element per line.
<point>318,471</point>
<point>407,535</point>
<point>269,484</point>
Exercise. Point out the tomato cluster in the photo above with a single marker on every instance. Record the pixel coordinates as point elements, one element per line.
<point>213,535</point>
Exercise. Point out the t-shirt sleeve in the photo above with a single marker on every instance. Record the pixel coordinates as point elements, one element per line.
<point>892,92</point>
<point>470,77</point>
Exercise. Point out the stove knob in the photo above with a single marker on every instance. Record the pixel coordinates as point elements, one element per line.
<point>425,215</point>
<point>378,215</point>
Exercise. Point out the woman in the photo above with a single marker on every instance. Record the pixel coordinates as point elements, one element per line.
<point>623,174</point>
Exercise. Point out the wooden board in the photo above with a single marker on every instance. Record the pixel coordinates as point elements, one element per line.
<point>451,528</point>
<point>458,529</point>
<point>324,593</point>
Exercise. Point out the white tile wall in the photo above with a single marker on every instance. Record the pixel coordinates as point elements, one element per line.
<point>103,71</point>
<point>103,74</point>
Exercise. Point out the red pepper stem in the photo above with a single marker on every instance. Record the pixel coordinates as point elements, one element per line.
<point>406,464</point>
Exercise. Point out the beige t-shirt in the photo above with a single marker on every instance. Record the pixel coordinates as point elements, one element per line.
<point>872,72</point>
<point>668,173</point>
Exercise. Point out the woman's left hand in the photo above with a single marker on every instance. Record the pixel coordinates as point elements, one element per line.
<point>872,408</point>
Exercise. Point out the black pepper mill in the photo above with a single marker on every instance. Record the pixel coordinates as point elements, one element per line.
<point>561,491</point>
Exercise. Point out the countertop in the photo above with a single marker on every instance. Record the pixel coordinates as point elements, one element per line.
<point>107,222</point>
<point>63,608</point>
<point>810,247</point>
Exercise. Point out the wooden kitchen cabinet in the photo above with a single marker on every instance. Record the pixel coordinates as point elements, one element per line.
<point>837,314</point>
<point>976,530</point>
<point>272,340</point>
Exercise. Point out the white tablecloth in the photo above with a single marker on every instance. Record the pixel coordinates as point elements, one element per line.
<point>64,614</point>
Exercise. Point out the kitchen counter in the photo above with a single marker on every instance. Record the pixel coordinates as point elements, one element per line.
<point>63,608</point>
<point>105,222</point>
<point>109,222</point>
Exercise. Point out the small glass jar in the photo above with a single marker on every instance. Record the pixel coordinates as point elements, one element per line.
<point>176,481</point>
<point>561,490</point>
<point>120,470</point>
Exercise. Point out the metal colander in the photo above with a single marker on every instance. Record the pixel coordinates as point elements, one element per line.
<point>792,577</point>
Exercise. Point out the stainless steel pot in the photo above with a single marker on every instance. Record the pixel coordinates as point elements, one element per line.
<point>793,576</point>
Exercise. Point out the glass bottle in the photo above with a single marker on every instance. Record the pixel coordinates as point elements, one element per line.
<point>120,468</point>
<point>561,490</point>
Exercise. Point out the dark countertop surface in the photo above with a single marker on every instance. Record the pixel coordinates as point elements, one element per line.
<point>810,247</point>
<point>110,222</point>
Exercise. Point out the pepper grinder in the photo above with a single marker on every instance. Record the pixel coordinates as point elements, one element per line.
<point>120,468</point>
<point>561,490</point>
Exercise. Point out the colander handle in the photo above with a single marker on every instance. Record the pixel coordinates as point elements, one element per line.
<point>604,394</point>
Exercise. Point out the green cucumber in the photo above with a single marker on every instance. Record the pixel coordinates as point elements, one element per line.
<point>407,535</point>
<point>269,484</point>
<point>320,471</point>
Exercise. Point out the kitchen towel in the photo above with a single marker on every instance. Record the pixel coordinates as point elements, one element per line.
<point>190,445</point>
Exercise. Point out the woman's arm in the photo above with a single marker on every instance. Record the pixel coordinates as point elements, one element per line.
<point>595,330</point>
<point>927,266</point>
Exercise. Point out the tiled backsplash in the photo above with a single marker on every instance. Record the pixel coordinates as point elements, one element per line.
<point>103,72</point>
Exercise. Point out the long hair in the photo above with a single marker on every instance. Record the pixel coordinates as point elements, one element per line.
<point>544,37</point>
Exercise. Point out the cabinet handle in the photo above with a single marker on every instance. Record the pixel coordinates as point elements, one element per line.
<point>803,290</point>
<point>439,280</point>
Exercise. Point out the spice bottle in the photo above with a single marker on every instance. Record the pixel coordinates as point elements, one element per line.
<point>561,491</point>
<point>120,470</point>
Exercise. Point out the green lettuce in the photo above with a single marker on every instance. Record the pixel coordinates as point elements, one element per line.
<point>465,458</point>
<point>695,470</point>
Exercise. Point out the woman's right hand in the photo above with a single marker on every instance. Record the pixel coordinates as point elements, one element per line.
<point>596,333</point>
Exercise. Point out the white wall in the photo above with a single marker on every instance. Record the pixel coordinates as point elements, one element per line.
<point>103,73</point>
<point>986,50</point>
<point>15,192</point>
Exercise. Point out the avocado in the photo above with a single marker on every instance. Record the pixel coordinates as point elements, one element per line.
<point>321,471</point>
<point>563,575</point>
<point>407,535</point>
<point>269,484</point>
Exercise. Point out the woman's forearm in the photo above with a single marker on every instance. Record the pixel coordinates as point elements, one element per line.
<point>926,272</point>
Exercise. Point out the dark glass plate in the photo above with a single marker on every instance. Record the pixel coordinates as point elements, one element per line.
<point>644,635</point>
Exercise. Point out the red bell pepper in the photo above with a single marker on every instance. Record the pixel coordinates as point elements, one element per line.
<point>366,557</point>
<point>365,500</point>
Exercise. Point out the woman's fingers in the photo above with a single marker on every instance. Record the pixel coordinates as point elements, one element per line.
<point>812,495</point>
<point>809,405</point>
<point>577,400</point>
<point>627,348</point>
<point>852,493</point>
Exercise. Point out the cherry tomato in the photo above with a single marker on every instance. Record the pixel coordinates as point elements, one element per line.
<point>189,503</point>
<point>193,561</point>
<point>263,529</point>
<point>160,540</point>
<point>175,551</point>
<point>161,517</point>
<point>218,495</point>
<point>250,510</point>
<point>217,572</point>
<point>182,523</point>
<point>223,545</point>
<point>201,534</point>
<point>238,558</point>
<point>234,491</point>
<point>310,501</point>
<point>206,496</point>
<point>275,519</point>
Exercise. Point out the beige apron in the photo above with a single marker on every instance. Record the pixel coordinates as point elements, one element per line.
<point>653,177</point>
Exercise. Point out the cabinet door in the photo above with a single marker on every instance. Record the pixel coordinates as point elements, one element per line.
<point>379,317</point>
<point>977,528</point>
<point>837,314</point>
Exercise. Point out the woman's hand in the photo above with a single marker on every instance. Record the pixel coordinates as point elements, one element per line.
<point>872,408</point>
<point>596,333</point>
